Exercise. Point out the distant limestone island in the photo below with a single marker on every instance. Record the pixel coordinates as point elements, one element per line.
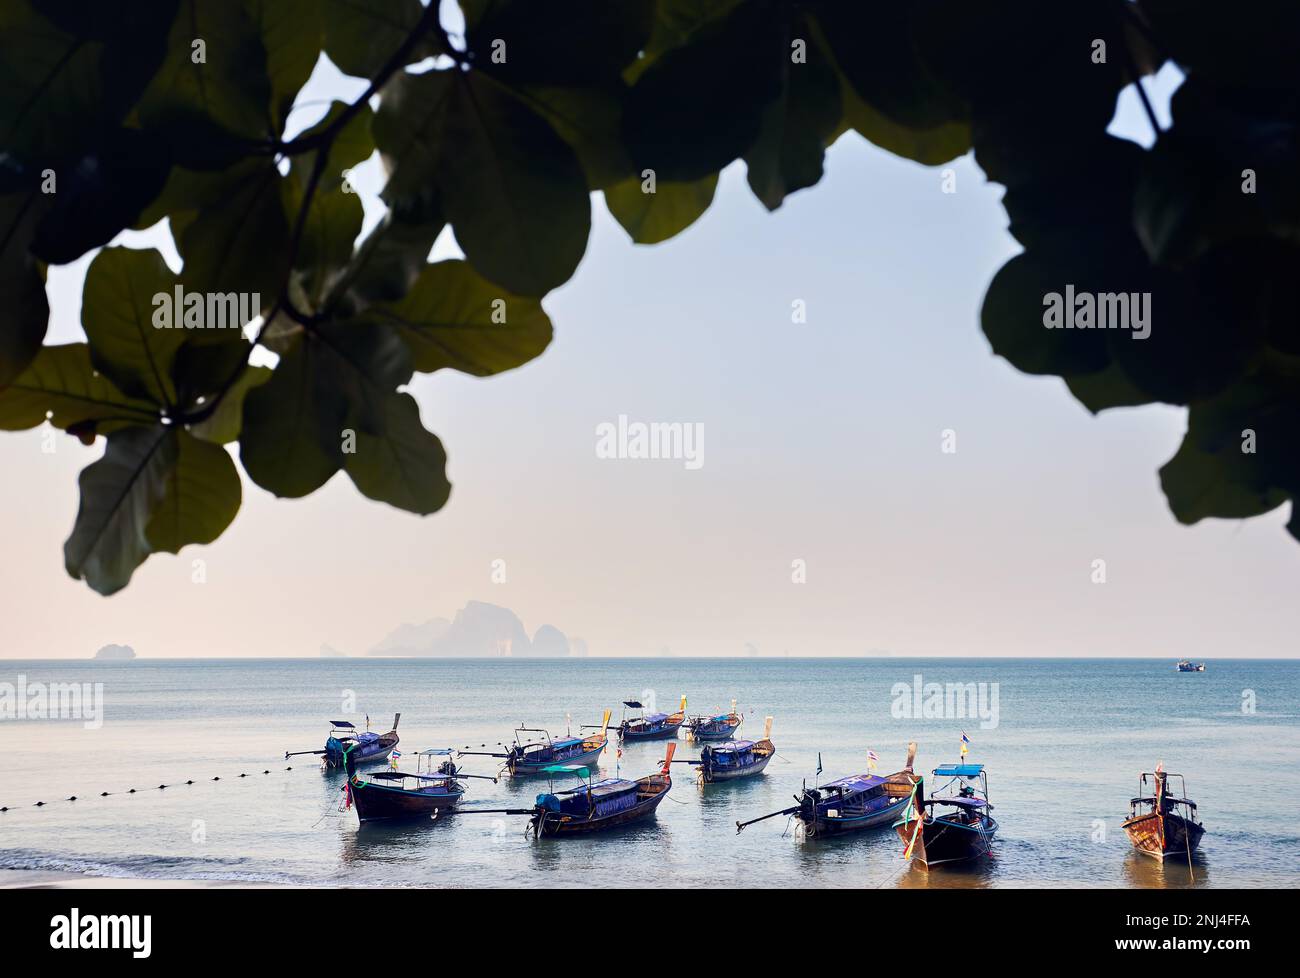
<point>115,652</point>
<point>479,631</point>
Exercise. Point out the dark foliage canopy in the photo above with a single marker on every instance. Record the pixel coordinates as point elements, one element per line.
<point>117,114</point>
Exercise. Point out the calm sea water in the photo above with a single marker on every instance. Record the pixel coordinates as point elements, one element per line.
<point>1063,760</point>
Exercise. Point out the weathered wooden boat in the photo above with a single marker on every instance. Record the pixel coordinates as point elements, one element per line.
<point>709,728</point>
<point>394,795</point>
<point>593,806</point>
<point>734,759</point>
<point>370,747</point>
<point>650,726</point>
<point>1185,665</point>
<point>955,825</point>
<point>1162,825</point>
<point>861,801</point>
<point>533,750</point>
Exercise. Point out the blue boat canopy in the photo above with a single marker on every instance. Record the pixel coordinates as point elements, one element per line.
<point>566,743</point>
<point>655,717</point>
<point>960,802</point>
<point>610,786</point>
<point>632,703</point>
<point>958,770</point>
<point>342,723</point>
<point>577,769</point>
<point>856,782</point>
<point>733,747</point>
<point>436,751</point>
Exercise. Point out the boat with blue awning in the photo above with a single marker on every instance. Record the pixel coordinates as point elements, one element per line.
<point>955,824</point>
<point>592,806</point>
<point>650,726</point>
<point>533,750</point>
<point>719,727</point>
<point>734,759</point>
<point>395,795</point>
<point>367,747</point>
<point>851,804</point>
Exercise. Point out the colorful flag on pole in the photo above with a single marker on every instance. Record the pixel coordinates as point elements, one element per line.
<point>872,758</point>
<point>819,762</point>
<point>964,741</point>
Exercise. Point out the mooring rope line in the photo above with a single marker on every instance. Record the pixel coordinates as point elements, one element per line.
<point>135,791</point>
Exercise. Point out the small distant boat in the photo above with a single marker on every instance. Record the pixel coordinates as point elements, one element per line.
<point>651,726</point>
<point>952,827</point>
<point>861,801</point>
<point>595,806</point>
<point>1185,665</point>
<point>531,754</point>
<point>735,759</point>
<point>721,727</point>
<point>394,794</point>
<point>370,747</point>
<point>1161,825</point>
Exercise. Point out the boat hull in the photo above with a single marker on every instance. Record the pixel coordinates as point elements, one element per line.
<point>1179,838</point>
<point>944,841</point>
<point>713,774</point>
<point>822,823</point>
<point>375,802</point>
<point>520,768</point>
<point>550,824</point>
<point>369,754</point>
<point>666,732</point>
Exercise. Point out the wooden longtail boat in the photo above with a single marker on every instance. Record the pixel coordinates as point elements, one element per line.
<point>531,754</point>
<point>735,758</point>
<point>1186,666</point>
<point>861,801</point>
<point>595,806</point>
<point>652,726</point>
<point>953,826</point>
<point>1161,825</point>
<point>721,727</point>
<point>370,748</point>
<point>393,795</point>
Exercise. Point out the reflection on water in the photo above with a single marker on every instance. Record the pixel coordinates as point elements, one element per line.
<point>1172,874</point>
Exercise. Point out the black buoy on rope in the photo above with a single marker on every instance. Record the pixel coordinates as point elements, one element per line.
<point>216,779</point>
<point>189,782</point>
<point>131,792</point>
<point>161,786</point>
<point>72,798</point>
<point>103,794</point>
<point>39,804</point>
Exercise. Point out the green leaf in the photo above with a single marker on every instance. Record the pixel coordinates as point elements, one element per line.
<point>50,85</point>
<point>336,377</point>
<point>201,495</point>
<point>589,119</point>
<point>512,189</point>
<point>103,193</point>
<point>557,42</point>
<point>1107,388</point>
<point>24,309</point>
<point>292,35</point>
<point>1200,484</point>
<point>119,494</point>
<point>676,22</point>
<point>361,35</point>
<point>402,464</point>
<point>1013,311</point>
<point>335,217</point>
<point>62,386</point>
<point>452,317</point>
<point>214,77</point>
<point>388,261</point>
<point>127,294</point>
<point>698,107</point>
<point>225,423</point>
<point>796,127</point>
<point>238,241</point>
<point>291,439</point>
<point>671,209</point>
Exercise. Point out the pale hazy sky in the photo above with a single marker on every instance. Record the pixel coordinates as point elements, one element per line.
<point>822,443</point>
